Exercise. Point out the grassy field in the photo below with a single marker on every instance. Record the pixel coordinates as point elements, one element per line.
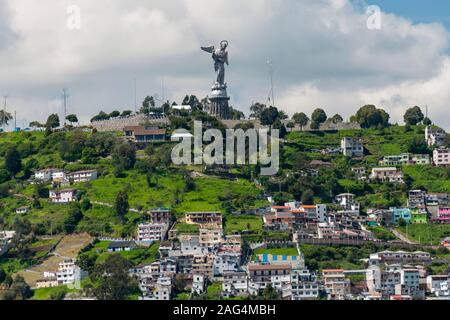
<point>382,233</point>
<point>277,251</point>
<point>47,293</point>
<point>135,256</point>
<point>426,234</point>
<point>237,224</point>
<point>184,228</point>
<point>214,291</point>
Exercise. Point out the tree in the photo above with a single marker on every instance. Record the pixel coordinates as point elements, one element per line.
<point>257,109</point>
<point>124,156</point>
<point>85,204</point>
<point>86,262</point>
<point>147,105</point>
<point>413,116</point>
<point>121,205</point>
<point>337,118</point>
<point>52,122</point>
<point>426,121</point>
<point>13,161</point>
<point>301,119</point>
<point>4,176</point>
<point>58,293</point>
<point>72,118</point>
<point>280,126</point>
<point>100,117</point>
<point>269,116</point>
<point>2,275</point>
<point>36,124</point>
<point>314,125</point>
<point>18,290</point>
<point>418,146</point>
<point>371,117</point>
<point>114,114</point>
<point>5,117</point>
<point>308,197</point>
<point>402,223</point>
<point>269,293</point>
<point>319,116</point>
<point>126,113</point>
<point>290,126</point>
<point>89,156</point>
<point>112,279</point>
<point>74,217</point>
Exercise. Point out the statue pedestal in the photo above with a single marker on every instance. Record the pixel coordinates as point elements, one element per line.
<point>219,106</point>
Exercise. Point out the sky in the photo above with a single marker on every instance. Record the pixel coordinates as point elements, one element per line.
<point>325,53</point>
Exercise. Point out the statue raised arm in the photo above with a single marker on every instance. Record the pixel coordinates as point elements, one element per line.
<point>220,57</point>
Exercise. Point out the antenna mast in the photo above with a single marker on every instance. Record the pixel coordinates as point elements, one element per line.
<point>65,97</point>
<point>135,95</point>
<point>270,64</point>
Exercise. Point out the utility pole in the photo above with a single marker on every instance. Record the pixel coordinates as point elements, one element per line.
<point>65,97</point>
<point>163,91</point>
<point>15,119</point>
<point>4,113</point>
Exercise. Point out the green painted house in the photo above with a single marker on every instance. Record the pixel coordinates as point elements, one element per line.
<point>419,216</point>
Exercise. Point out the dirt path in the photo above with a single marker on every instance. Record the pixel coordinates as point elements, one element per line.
<point>68,248</point>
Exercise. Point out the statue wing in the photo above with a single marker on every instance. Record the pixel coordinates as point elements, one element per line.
<point>208,49</point>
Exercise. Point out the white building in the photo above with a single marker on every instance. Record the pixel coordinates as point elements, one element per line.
<point>234,284</point>
<point>439,285</point>
<point>227,261</point>
<point>198,284</point>
<point>81,176</point>
<point>348,202</point>
<point>352,147</point>
<point>389,174</point>
<point>304,285</point>
<point>441,157</point>
<point>63,196</point>
<point>434,136</point>
<point>68,272</point>
<point>49,174</point>
<point>150,232</point>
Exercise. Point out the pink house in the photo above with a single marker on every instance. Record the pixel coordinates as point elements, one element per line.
<point>443,216</point>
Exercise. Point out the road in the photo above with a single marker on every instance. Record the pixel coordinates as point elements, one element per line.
<point>402,237</point>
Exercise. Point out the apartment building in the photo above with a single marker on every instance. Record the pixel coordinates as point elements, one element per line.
<point>409,284</point>
<point>304,285</point>
<point>434,136</point>
<point>149,232</point>
<point>388,174</point>
<point>395,160</point>
<point>205,218</point>
<point>68,272</point>
<point>234,284</point>
<point>441,157</point>
<point>279,275</point>
<point>81,176</point>
<point>144,134</point>
<point>416,199</point>
<point>351,147</point>
<point>63,196</point>
<point>443,216</point>
<point>160,215</point>
<point>336,285</point>
<point>203,265</point>
<point>210,238</point>
<point>399,257</point>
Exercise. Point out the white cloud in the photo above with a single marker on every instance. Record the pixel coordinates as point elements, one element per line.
<point>323,53</point>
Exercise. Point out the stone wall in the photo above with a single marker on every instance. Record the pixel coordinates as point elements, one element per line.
<point>117,124</point>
